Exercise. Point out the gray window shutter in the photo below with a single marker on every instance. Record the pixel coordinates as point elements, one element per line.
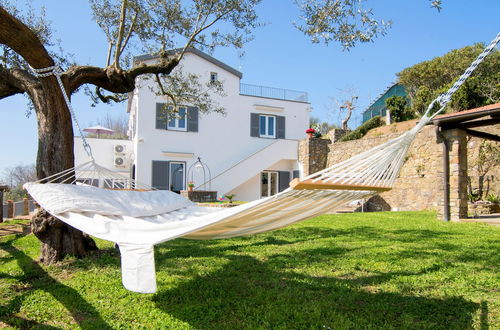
<point>254,124</point>
<point>160,171</point>
<point>296,174</point>
<point>161,116</point>
<point>284,180</point>
<point>280,127</point>
<point>192,119</point>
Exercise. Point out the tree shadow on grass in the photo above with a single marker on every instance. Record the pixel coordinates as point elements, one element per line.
<point>35,277</point>
<point>248,293</point>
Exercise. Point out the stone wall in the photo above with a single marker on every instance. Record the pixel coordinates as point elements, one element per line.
<point>200,195</point>
<point>420,183</point>
<point>337,133</point>
<point>313,155</point>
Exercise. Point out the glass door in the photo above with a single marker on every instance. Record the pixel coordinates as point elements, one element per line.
<point>177,176</point>
<point>268,183</point>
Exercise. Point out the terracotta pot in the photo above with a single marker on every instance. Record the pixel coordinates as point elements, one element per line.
<point>310,135</point>
<point>190,188</point>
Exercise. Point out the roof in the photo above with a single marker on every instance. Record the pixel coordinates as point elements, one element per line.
<point>380,95</point>
<point>492,109</point>
<point>195,51</point>
<point>473,118</point>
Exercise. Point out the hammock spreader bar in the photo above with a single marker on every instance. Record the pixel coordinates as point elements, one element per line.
<point>311,185</point>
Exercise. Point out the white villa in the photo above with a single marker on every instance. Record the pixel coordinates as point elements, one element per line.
<point>251,151</point>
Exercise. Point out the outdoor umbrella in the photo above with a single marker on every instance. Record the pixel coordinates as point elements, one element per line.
<point>98,130</point>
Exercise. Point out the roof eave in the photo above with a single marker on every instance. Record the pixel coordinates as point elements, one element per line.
<point>147,57</point>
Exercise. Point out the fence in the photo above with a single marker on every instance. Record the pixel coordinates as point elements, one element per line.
<point>16,209</point>
<point>273,93</point>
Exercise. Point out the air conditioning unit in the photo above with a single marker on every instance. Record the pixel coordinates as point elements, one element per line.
<point>120,161</point>
<point>119,149</point>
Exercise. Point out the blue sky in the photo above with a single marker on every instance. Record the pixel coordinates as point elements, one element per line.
<point>279,56</point>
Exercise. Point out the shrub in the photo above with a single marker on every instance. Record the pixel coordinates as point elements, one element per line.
<point>361,131</point>
<point>492,198</point>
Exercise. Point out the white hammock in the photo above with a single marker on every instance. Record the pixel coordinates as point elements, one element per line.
<point>138,217</point>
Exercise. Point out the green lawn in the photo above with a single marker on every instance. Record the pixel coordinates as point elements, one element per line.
<point>360,271</point>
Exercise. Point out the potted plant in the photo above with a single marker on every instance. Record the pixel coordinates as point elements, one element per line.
<point>310,132</point>
<point>230,197</point>
<point>190,186</point>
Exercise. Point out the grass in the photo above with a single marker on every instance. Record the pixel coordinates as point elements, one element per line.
<point>14,222</point>
<point>350,271</point>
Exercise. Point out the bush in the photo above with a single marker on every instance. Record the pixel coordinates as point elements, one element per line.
<point>361,131</point>
<point>398,106</point>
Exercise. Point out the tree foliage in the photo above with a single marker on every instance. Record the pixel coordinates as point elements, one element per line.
<point>118,124</point>
<point>482,162</point>
<point>399,109</point>
<point>321,127</point>
<point>426,80</point>
<point>348,22</point>
<point>14,177</point>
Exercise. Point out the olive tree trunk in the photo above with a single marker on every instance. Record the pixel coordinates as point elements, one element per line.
<point>55,154</point>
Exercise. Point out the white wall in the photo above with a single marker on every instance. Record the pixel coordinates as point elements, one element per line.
<point>250,189</point>
<point>221,141</point>
<point>103,151</point>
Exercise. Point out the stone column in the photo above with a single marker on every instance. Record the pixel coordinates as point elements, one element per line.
<point>2,188</point>
<point>26,206</point>
<point>337,133</point>
<point>10,209</point>
<point>313,154</point>
<point>457,142</point>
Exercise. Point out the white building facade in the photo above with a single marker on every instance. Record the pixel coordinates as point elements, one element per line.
<point>251,151</point>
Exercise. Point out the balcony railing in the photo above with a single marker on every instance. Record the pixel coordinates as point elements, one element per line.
<point>273,93</point>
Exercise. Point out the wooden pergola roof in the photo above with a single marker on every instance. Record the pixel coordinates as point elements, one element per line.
<point>473,118</point>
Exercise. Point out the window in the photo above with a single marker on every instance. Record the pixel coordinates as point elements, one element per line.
<point>268,183</point>
<point>267,126</point>
<point>179,122</point>
<point>186,120</point>
<point>213,77</point>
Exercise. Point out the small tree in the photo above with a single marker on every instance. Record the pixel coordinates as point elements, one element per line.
<point>118,124</point>
<point>344,105</point>
<point>487,158</point>
<point>348,107</point>
<point>15,177</point>
<point>320,127</point>
<point>398,108</point>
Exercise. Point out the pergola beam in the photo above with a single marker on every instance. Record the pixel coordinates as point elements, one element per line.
<point>472,124</point>
<point>482,135</point>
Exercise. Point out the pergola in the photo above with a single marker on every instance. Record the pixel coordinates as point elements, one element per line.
<point>453,130</point>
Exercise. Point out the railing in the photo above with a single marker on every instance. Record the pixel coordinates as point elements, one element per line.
<point>236,164</point>
<point>273,93</point>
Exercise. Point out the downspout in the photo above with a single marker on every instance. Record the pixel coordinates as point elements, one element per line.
<point>446,174</point>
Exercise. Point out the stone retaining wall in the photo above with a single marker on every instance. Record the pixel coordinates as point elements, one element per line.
<point>420,183</point>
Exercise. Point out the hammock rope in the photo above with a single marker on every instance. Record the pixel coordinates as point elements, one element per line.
<point>57,72</point>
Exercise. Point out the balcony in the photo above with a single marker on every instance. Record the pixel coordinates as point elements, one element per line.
<point>273,93</point>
